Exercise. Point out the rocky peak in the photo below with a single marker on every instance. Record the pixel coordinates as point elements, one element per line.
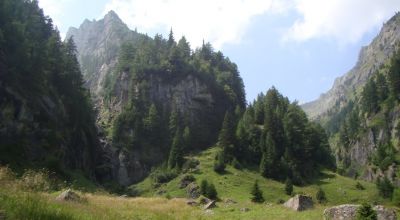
<point>370,58</point>
<point>98,43</point>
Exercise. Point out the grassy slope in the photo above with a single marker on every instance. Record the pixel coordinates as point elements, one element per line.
<point>235,184</point>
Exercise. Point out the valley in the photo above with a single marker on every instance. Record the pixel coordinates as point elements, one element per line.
<point>110,123</point>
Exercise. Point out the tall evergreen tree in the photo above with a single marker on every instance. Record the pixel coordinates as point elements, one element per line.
<point>175,159</point>
<point>256,193</point>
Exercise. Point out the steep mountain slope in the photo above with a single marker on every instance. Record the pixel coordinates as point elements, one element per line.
<point>361,111</point>
<point>370,59</point>
<point>46,117</point>
<point>148,91</point>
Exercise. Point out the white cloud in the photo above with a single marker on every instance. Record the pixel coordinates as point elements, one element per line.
<point>217,21</point>
<point>343,20</point>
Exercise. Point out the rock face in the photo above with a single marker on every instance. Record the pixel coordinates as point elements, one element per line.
<point>299,203</point>
<point>349,212</point>
<point>200,100</point>
<point>370,58</point>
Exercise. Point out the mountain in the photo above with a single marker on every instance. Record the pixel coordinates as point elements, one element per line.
<point>149,90</point>
<point>361,111</point>
<point>98,44</point>
<point>370,59</point>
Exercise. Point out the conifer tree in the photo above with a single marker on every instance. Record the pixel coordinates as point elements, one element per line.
<point>365,212</point>
<point>175,159</point>
<point>288,187</point>
<point>256,193</point>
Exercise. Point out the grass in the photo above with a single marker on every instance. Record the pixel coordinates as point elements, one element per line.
<point>19,203</point>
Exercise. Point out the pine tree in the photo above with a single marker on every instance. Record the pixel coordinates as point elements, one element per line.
<point>394,76</point>
<point>175,159</point>
<point>256,193</point>
<point>288,187</point>
<point>365,212</point>
<point>219,163</point>
<point>320,195</point>
<point>385,187</point>
<point>226,138</point>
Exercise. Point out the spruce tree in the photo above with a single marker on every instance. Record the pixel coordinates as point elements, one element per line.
<point>288,187</point>
<point>321,197</point>
<point>226,136</point>
<point>256,193</point>
<point>175,159</point>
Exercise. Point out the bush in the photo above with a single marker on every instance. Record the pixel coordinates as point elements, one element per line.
<point>321,198</point>
<point>211,192</point>
<point>163,175</point>
<point>190,164</point>
<point>189,178</point>
<point>203,187</point>
<point>396,197</point>
<point>236,164</point>
<point>219,163</point>
<point>208,190</point>
<point>385,187</point>
<point>365,212</point>
<point>359,186</point>
<point>257,194</point>
<point>37,181</point>
<point>288,187</point>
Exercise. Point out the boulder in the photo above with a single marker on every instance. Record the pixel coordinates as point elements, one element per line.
<point>204,200</point>
<point>385,213</point>
<point>210,205</point>
<point>244,209</point>
<point>299,203</point>
<point>342,212</point>
<point>229,201</point>
<point>191,202</point>
<point>349,212</point>
<point>68,195</point>
<point>192,190</point>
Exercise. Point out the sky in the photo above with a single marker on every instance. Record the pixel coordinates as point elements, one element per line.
<point>298,46</point>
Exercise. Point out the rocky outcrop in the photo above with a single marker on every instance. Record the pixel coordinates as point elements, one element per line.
<point>69,195</point>
<point>299,203</point>
<point>349,212</point>
<point>370,58</point>
<point>193,190</point>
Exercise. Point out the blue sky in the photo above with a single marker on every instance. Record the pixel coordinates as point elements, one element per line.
<point>299,46</point>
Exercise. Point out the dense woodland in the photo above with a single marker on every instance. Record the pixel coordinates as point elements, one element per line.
<point>46,118</point>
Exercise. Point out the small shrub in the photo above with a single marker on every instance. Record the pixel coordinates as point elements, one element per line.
<point>385,188</point>
<point>280,201</point>
<point>359,186</point>
<point>288,187</point>
<point>208,190</point>
<point>365,212</point>
<point>6,174</point>
<point>203,187</point>
<point>211,192</point>
<point>189,178</point>
<point>396,197</point>
<point>37,181</point>
<point>321,197</point>
<point>219,163</point>
<point>257,194</point>
<point>236,164</point>
<point>163,175</point>
<point>190,164</point>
